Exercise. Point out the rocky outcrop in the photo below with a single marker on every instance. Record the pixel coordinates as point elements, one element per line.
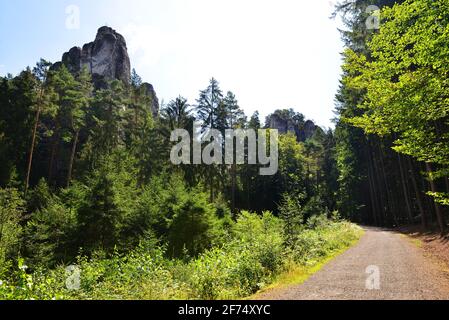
<point>107,59</point>
<point>307,130</point>
<point>302,130</point>
<point>149,91</point>
<point>284,126</point>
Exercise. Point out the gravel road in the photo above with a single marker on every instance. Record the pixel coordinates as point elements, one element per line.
<point>383,266</point>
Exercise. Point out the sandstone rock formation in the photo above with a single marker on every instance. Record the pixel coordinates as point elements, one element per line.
<point>149,91</point>
<point>107,59</point>
<point>302,130</point>
<point>307,130</point>
<point>284,126</point>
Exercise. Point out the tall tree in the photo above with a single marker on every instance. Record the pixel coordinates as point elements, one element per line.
<point>209,112</point>
<point>234,118</point>
<point>178,114</point>
<point>405,84</point>
<point>79,99</point>
<point>43,103</point>
<point>208,104</point>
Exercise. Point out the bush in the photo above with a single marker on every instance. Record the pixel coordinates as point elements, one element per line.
<point>181,217</point>
<point>245,264</point>
<point>252,258</point>
<point>11,210</point>
<point>313,244</point>
<point>51,234</point>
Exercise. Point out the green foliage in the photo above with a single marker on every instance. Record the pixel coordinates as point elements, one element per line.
<point>209,105</point>
<point>39,197</point>
<point>243,265</point>
<point>250,260</point>
<point>11,214</point>
<point>404,81</point>
<point>178,114</point>
<point>290,210</point>
<point>313,244</point>
<point>291,164</point>
<point>191,228</point>
<point>51,234</point>
<point>100,193</point>
<point>109,204</point>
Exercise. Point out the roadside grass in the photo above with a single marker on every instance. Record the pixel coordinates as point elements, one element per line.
<point>416,242</point>
<point>254,260</point>
<point>433,247</point>
<point>297,274</point>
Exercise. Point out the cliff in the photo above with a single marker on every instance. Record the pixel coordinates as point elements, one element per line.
<point>107,59</point>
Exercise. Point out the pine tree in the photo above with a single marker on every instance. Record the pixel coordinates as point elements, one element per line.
<point>209,111</point>
<point>11,210</point>
<point>208,104</point>
<point>234,117</point>
<point>42,103</point>
<point>178,114</point>
<point>79,99</point>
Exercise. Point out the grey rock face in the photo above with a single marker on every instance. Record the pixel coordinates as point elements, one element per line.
<point>309,129</point>
<point>302,131</point>
<point>149,91</point>
<point>282,125</point>
<point>107,59</point>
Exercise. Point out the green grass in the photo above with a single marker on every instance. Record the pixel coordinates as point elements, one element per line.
<point>254,259</point>
<point>298,274</point>
<point>416,242</point>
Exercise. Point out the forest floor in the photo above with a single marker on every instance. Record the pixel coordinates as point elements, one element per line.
<point>384,265</point>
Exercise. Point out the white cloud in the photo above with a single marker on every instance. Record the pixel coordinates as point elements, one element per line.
<point>271,54</point>
<point>148,44</point>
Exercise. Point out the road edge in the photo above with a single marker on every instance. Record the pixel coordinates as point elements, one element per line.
<point>300,274</point>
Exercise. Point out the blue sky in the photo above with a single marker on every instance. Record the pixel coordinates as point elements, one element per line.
<point>271,54</point>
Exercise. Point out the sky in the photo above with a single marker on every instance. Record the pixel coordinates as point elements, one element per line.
<point>271,54</point>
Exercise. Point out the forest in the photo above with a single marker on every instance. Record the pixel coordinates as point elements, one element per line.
<point>92,208</point>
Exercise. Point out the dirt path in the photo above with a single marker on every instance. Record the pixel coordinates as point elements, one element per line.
<point>404,273</point>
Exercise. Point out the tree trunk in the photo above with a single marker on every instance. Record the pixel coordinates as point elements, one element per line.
<point>377,182</point>
<point>373,193</point>
<point>233,187</point>
<point>248,188</point>
<point>438,211</point>
<point>446,180</point>
<point>418,194</point>
<point>386,184</point>
<point>211,184</point>
<point>405,190</point>
<point>33,142</point>
<point>54,146</point>
<point>72,158</point>
<point>372,196</point>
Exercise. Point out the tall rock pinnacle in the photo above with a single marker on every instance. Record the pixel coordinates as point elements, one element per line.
<point>107,59</point>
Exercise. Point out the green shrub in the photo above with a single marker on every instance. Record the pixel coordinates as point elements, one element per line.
<point>245,264</point>
<point>50,234</point>
<point>11,210</point>
<point>250,260</point>
<point>313,244</point>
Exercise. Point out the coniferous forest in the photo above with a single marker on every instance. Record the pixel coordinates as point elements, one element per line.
<point>92,208</point>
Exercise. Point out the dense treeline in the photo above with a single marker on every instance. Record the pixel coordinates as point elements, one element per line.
<point>86,176</point>
<point>392,130</point>
<point>87,171</point>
